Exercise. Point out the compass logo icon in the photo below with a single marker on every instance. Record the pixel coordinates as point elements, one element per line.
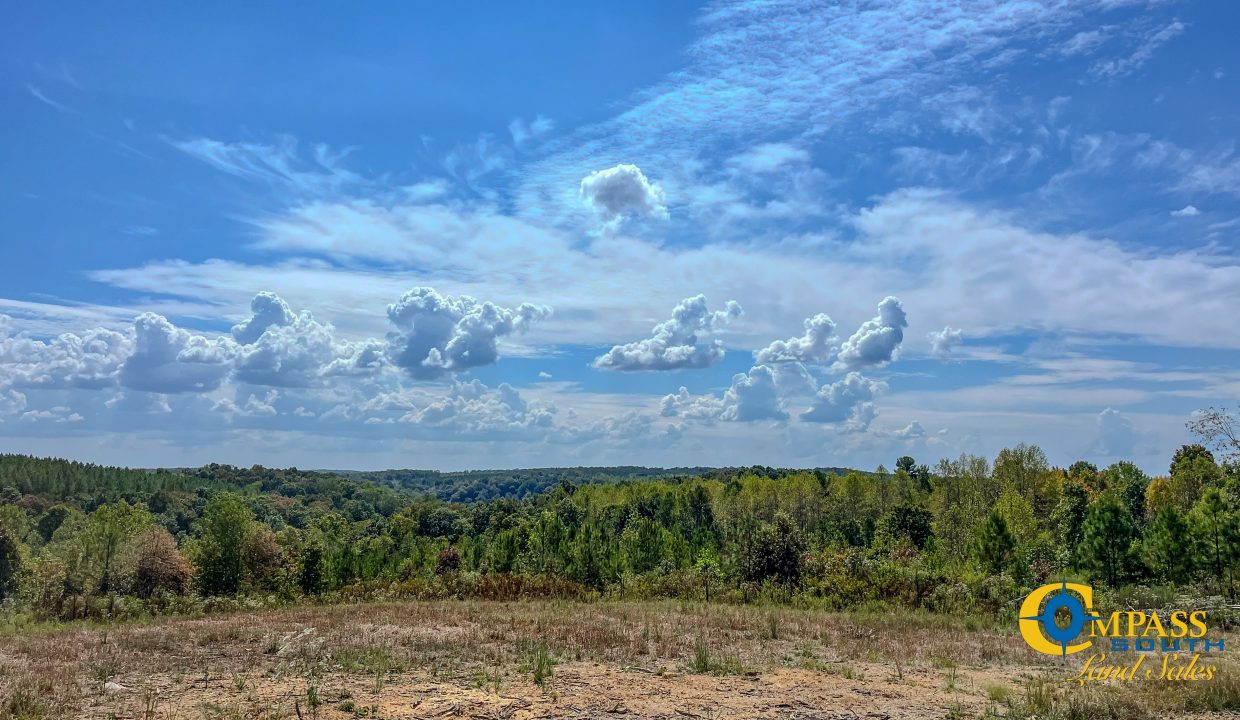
<point>1040,613</point>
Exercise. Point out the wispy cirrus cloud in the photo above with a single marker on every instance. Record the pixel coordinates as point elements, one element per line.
<point>833,63</point>
<point>37,93</point>
<point>1147,43</point>
<point>279,164</point>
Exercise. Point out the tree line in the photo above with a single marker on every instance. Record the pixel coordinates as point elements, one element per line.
<point>964,535</point>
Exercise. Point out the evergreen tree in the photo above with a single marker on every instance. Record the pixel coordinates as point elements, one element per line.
<point>643,545</point>
<point>920,474</point>
<point>1134,498</point>
<point>587,567</point>
<point>1169,548</point>
<point>995,544</point>
<point>1107,547</point>
<point>1217,526</point>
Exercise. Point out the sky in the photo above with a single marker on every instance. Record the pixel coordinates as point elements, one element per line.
<point>645,233</point>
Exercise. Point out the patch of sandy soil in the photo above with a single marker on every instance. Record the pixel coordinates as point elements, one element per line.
<point>618,661</point>
<point>577,690</point>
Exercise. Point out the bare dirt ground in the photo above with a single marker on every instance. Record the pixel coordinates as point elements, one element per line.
<point>523,661</point>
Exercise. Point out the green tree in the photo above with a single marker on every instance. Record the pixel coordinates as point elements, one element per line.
<point>1193,471</point>
<point>1083,471</point>
<point>909,521</point>
<point>1068,521</point>
<point>919,473</point>
<point>310,569</point>
<point>1189,453</point>
<point>1169,548</point>
<point>642,544</point>
<point>1107,548</point>
<point>995,545</point>
<point>52,519</point>
<point>224,534</point>
<point>10,562</point>
<point>1018,514</point>
<point>505,551</point>
<point>777,551</point>
<point>707,567</point>
<point>443,522</point>
<point>1024,469</point>
<point>104,535</point>
<point>1217,526</point>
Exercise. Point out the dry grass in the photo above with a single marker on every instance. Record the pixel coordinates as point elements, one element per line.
<point>546,659</point>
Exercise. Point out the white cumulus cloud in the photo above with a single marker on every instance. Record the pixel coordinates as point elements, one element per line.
<point>942,341</point>
<point>684,341</point>
<point>815,346</point>
<point>848,402</point>
<point>622,191</point>
<point>12,402</point>
<point>169,359</point>
<point>89,360</point>
<point>436,334</point>
<point>475,409</point>
<point>268,310</point>
<point>912,431</point>
<point>282,349</point>
<point>876,341</point>
<point>753,395</point>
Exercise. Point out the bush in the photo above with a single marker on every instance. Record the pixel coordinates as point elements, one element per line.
<point>449,562</point>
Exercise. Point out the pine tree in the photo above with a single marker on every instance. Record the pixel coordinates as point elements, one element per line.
<point>995,544</point>
<point>1217,526</point>
<point>1169,547</point>
<point>1107,548</point>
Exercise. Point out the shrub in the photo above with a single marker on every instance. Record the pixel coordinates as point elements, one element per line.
<point>449,562</point>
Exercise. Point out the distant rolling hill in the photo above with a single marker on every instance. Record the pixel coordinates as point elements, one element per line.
<point>479,485</point>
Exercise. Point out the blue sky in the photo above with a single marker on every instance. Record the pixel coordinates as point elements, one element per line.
<point>649,233</point>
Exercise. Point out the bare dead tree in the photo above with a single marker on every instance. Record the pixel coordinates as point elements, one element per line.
<point>1219,430</point>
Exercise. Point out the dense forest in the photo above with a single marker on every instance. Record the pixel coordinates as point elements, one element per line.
<point>477,485</point>
<point>968,534</point>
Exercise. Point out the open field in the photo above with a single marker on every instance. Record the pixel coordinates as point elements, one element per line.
<point>558,660</point>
